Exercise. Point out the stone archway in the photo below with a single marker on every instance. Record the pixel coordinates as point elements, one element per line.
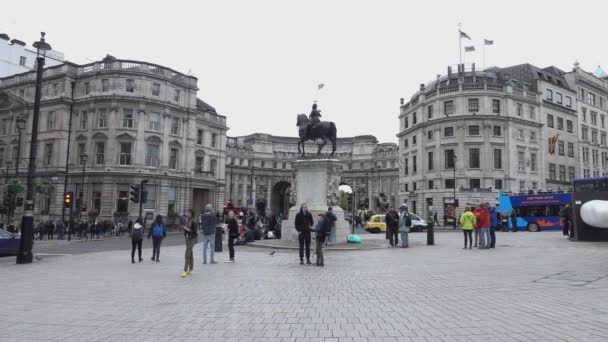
<point>279,198</point>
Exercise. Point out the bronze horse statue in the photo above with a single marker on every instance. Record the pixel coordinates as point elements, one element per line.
<point>325,130</point>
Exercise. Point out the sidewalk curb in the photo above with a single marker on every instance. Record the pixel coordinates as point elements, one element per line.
<point>295,248</point>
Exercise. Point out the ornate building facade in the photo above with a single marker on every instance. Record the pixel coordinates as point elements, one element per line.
<point>259,171</point>
<point>126,121</point>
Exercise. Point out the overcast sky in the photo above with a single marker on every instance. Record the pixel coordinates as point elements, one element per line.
<point>259,62</point>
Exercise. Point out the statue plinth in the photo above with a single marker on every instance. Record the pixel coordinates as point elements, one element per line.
<point>317,183</point>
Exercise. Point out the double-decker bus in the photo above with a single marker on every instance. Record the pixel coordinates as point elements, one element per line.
<point>535,212</point>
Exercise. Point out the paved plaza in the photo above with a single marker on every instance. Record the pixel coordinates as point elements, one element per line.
<point>532,287</point>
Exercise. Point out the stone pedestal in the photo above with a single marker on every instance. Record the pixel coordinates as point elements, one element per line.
<point>317,182</point>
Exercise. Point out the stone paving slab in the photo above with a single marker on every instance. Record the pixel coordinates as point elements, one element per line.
<point>424,293</point>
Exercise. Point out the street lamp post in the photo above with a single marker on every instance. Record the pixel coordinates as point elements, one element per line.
<point>25,256</point>
<point>20,127</point>
<point>454,167</point>
<point>231,184</point>
<point>250,186</point>
<point>8,165</point>
<point>67,158</point>
<point>83,159</point>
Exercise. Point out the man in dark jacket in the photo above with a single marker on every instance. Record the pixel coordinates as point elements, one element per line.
<point>208,223</point>
<point>331,221</point>
<point>392,227</point>
<point>304,223</point>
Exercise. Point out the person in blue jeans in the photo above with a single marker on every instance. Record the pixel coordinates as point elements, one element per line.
<point>331,220</point>
<point>405,222</point>
<point>208,222</point>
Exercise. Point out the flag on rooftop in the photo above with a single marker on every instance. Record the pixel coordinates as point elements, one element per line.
<point>469,48</point>
<point>464,35</point>
<point>321,85</point>
<point>488,42</point>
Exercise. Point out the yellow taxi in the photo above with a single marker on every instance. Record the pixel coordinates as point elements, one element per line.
<point>376,224</point>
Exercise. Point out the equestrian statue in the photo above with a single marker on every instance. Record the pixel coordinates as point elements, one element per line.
<point>312,128</point>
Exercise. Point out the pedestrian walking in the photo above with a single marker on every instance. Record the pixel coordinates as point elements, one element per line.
<point>137,237</point>
<point>331,220</point>
<point>208,223</point>
<point>233,232</point>
<point>322,232</point>
<point>468,223</point>
<point>158,233</point>
<point>191,234</point>
<point>513,217</point>
<point>392,226</point>
<point>493,223</point>
<point>304,224</point>
<point>565,214</point>
<point>405,222</point>
<point>484,223</point>
<point>60,228</point>
<point>435,220</point>
<point>50,230</point>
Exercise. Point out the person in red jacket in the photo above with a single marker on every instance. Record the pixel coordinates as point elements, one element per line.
<point>476,212</point>
<point>483,219</point>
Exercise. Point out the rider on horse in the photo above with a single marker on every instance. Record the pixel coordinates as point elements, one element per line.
<point>314,117</point>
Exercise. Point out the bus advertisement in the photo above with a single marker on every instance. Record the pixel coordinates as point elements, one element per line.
<point>535,212</point>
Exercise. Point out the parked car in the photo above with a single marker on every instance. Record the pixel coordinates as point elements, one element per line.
<point>376,224</point>
<point>9,243</point>
<point>418,224</point>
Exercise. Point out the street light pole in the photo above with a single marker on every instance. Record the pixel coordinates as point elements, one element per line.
<point>25,255</point>
<point>67,157</point>
<point>231,184</point>
<point>83,158</point>
<point>8,165</point>
<point>454,167</point>
<point>20,127</point>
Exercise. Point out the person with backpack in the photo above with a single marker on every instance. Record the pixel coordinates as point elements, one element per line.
<point>468,223</point>
<point>392,227</point>
<point>208,223</point>
<point>405,222</point>
<point>304,223</point>
<point>191,235</point>
<point>322,232</point>
<point>331,218</point>
<point>158,233</point>
<point>137,237</point>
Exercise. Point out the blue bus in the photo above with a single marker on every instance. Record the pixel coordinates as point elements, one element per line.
<point>596,184</point>
<point>535,212</point>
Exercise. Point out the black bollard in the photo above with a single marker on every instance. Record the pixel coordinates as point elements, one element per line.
<point>430,234</point>
<point>218,238</point>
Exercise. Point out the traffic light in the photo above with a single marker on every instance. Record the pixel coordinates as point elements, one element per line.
<point>67,199</point>
<point>19,201</point>
<point>135,193</point>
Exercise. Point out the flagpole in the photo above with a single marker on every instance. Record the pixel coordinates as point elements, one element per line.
<point>460,41</point>
<point>484,54</point>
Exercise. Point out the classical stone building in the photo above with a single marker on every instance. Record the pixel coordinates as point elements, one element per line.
<point>260,167</point>
<point>471,133</point>
<point>133,121</point>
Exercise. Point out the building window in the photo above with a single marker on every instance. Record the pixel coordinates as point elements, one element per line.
<point>569,128</point>
<point>414,140</point>
<point>497,131</point>
<point>127,118</point>
<point>198,163</point>
<point>213,166</point>
<point>406,166</point>
<point>100,152</point>
<point>87,88</point>
<point>520,134</point>
<point>176,95</point>
<point>448,131</point>
<point>55,89</point>
<point>474,183</point>
<point>520,109</point>
<point>155,89</point>
<point>558,98</point>
<point>449,159</point>
<point>130,86</point>
<point>533,162</point>
<point>497,158</point>
<point>173,159</point>
<point>603,120</point>
<point>585,133</point>
<point>562,173</point>
<point>532,136</point>
<point>496,106</point>
<point>549,94</point>
<point>571,150</point>
<point>532,113</point>
<point>50,121</point>
<point>522,185</point>
<point>429,112</point>
<point>21,93</point>
<point>430,185</point>
<point>150,197</point>
<point>594,136</point>
<point>105,85</point>
<point>405,143</point>
<point>154,121</point>
<point>571,173</point>
<point>429,135</point>
<point>81,149</point>
<point>474,130</point>
<point>593,118</point>
<point>122,201</point>
<point>448,107</point>
<point>102,118</point>
<point>406,122</point>
<point>568,101</point>
<point>4,128</point>
<point>552,175</point>
<point>96,199</point>
<point>473,105</point>
<point>414,164</point>
<point>474,159</point>
<point>125,153</point>
<point>152,155</point>
<point>430,161</point>
<point>560,147</point>
<point>174,126</point>
<point>584,114</point>
<point>560,123</point>
<point>48,154</point>
<point>22,60</point>
<point>585,155</point>
<point>520,161</point>
<point>603,139</point>
<point>498,184</point>
<point>213,140</point>
<point>449,183</point>
<point>414,118</point>
<point>199,137</point>
<point>591,98</point>
<point>550,121</point>
<point>171,200</point>
<point>2,156</point>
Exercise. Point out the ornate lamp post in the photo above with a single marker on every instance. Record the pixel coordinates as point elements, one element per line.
<point>454,167</point>
<point>25,256</point>
<point>20,127</point>
<point>83,159</point>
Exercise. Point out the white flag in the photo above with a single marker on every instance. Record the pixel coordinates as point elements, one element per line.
<point>469,48</point>
<point>320,86</point>
<point>488,42</point>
